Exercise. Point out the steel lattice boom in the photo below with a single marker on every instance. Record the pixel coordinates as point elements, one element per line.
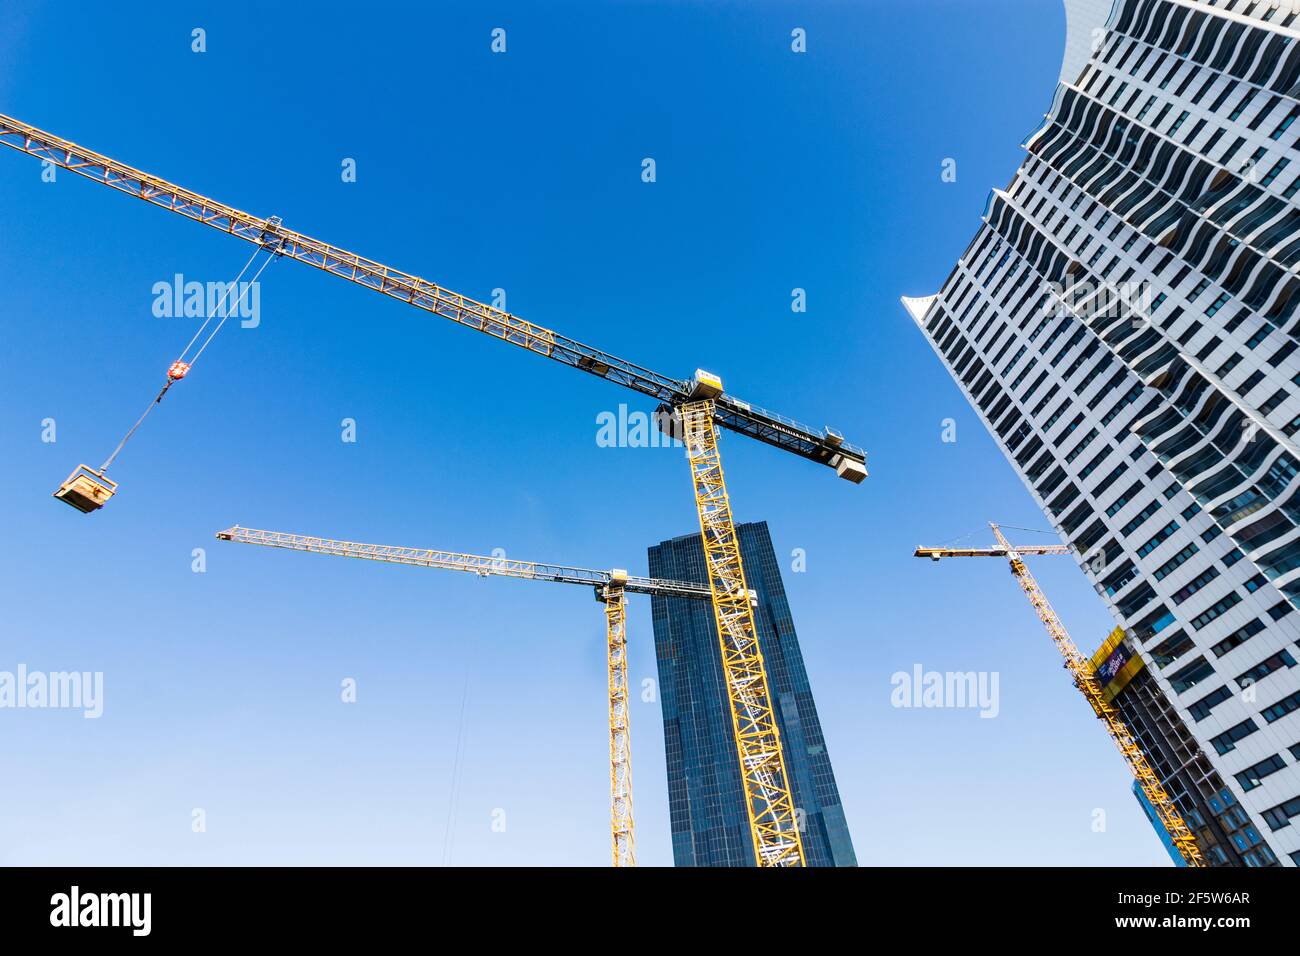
<point>454,561</point>
<point>1084,679</point>
<point>823,446</point>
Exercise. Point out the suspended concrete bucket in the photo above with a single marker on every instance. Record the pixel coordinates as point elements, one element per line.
<point>86,489</point>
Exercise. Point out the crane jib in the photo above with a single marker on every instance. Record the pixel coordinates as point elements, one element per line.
<point>824,446</point>
<point>483,565</point>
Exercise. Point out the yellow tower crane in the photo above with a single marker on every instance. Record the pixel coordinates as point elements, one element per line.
<point>610,586</point>
<point>1086,681</point>
<point>698,406</point>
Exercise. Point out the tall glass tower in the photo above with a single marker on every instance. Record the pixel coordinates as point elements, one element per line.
<point>1126,322</point>
<point>705,796</point>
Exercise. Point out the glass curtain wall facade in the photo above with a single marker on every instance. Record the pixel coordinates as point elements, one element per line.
<point>1125,322</point>
<point>705,798</point>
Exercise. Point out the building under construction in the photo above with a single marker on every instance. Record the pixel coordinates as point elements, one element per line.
<point>1223,830</point>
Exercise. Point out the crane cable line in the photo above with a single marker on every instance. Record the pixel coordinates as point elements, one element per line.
<point>1030,530</point>
<point>243,292</point>
<point>180,368</point>
<point>962,537</point>
<point>454,784</point>
<point>220,302</point>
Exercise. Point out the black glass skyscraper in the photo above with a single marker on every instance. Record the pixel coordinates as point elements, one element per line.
<point>706,806</point>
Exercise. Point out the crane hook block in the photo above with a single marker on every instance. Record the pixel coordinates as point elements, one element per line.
<point>177,371</point>
<point>86,489</point>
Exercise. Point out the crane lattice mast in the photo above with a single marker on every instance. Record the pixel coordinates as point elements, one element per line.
<point>620,739</point>
<point>1086,681</point>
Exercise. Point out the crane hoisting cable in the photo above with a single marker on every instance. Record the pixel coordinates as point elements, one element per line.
<point>88,489</point>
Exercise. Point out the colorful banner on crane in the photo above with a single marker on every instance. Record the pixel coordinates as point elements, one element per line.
<point>1115,664</point>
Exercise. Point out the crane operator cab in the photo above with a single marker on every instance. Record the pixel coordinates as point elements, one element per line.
<point>86,489</point>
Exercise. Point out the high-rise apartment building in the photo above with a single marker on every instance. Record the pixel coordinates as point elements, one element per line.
<point>705,797</point>
<point>1125,322</point>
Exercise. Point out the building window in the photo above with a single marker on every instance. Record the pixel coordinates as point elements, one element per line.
<point>1251,777</point>
<point>1272,403</point>
<point>1078,449</point>
<point>1198,582</point>
<point>1238,637</point>
<point>1253,379</point>
<point>1287,705</point>
<point>1283,126</point>
<point>1210,613</point>
<point>1175,562</point>
<point>1140,518</point>
<point>1122,500</point>
<point>1273,173</point>
<point>1280,816</point>
<point>1158,539</point>
<point>1201,709</point>
<point>1227,741</point>
<point>1228,366</point>
<point>1260,335</point>
<point>1191,675</point>
<point>1218,304</point>
<point>1265,667</point>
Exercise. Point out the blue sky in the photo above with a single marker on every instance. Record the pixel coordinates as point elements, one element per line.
<point>518,171</point>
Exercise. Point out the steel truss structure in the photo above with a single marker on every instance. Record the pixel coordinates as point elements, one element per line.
<point>823,446</point>
<point>620,739</point>
<point>1084,679</point>
<point>769,801</point>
